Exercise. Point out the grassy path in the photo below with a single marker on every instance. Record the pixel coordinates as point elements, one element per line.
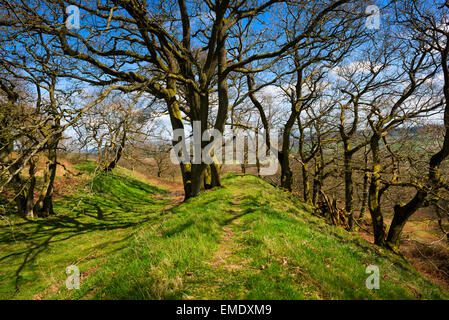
<point>228,266</point>
<point>245,240</point>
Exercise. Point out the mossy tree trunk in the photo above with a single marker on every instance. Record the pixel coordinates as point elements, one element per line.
<point>375,194</point>
<point>44,205</point>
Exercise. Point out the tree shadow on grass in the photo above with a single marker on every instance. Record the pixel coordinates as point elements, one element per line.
<point>60,229</point>
<point>123,204</point>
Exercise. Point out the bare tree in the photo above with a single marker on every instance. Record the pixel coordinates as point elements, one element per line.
<point>165,62</point>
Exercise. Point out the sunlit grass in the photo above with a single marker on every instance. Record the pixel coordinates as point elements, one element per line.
<point>246,240</point>
<point>90,227</point>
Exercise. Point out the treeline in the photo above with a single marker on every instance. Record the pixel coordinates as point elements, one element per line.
<point>320,73</point>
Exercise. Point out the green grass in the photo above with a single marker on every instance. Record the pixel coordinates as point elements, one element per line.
<point>91,226</point>
<point>247,240</point>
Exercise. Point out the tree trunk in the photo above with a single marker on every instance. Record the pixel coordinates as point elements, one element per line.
<point>401,215</point>
<point>223,100</point>
<point>286,172</point>
<point>118,154</point>
<point>44,205</point>
<point>198,172</point>
<point>186,173</point>
<point>207,183</point>
<point>306,183</point>
<point>177,124</point>
<point>364,195</point>
<point>25,196</point>
<point>215,175</point>
<point>317,178</point>
<point>284,155</point>
<point>365,187</point>
<point>373,196</point>
<point>349,185</point>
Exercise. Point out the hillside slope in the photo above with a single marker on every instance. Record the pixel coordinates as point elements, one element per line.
<point>247,240</point>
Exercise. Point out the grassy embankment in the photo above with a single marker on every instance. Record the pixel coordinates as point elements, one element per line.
<point>246,240</point>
